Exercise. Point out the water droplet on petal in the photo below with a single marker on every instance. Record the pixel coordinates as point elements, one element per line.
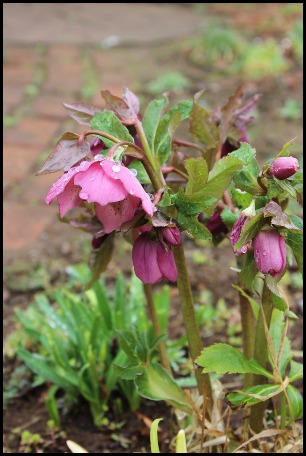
<point>134,172</point>
<point>132,192</point>
<point>83,195</point>
<point>92,179</point>
<point>116,168</point>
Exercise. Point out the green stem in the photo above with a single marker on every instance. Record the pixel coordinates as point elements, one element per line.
<point>248,323</point>
<point>156,327</point>
<point>283,413</point>
<point>191,326</point>
<point>261,356</point>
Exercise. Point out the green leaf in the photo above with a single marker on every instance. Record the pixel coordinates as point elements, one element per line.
<point>253,303</point>
<point>151,118</point>
<point>250,229</point>
<point>170,121</point>
<point>191,204</point>
<point>127,341</point>
<point>99,259</point>
<point>219,178</point>
<point>180,446</point>
<point>223,358</point>
<point>285,150</point>
<point>285,186</point>
<point>142,174</point>
<point>228,217</point>
<point>166,199</point>
<point>241,198</point>
<point>273,189</point>
<point>296,371</point>
<point>202,127</point>
<point>157,385</point>
<point>108,122</point>
<point>276,330</point>
<point>128,373</point>
<point>261,390</point>
<point>246,178</point>
<point>296,402</point>
<point>40,365</point>
<point>193,226</point>
<point>154,436</point>
<point>248,273</point>
<point>278,300</point>
<point>198,173</point>
<point>295,241</point>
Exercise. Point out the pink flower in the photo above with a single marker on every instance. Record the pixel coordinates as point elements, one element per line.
<point>270,252</point>
<point>113,188</point>
<point>152,262</point>
<point>215,224</point>
<point>284,167</point>
<point>172,235</point>
<point>235,234</point>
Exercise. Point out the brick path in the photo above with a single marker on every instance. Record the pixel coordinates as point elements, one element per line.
<point>47,63</point>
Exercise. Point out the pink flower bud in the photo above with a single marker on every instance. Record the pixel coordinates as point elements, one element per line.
<point>235,234</point>
<point>270,252</point>
<point>284,167</point>
<point>96,146</point>
<point>215,224</point>
<point>172,235</point>
<point>152,262</point>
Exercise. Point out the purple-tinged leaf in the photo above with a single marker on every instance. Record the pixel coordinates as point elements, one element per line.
<point>119,107</point>
<point>66,154</point>
<point>81,113</point>
<point>202,126</point>
<point>279,218</point>
<point>131,100</point>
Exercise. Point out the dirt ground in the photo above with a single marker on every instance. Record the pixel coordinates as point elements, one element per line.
<point>44,67</point>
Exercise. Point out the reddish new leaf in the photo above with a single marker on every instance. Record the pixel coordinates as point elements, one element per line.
<point>119,107</point>
<point>131,100</point>
<point>279,218</point>
<point>66,154</point>
<point>81,113</point>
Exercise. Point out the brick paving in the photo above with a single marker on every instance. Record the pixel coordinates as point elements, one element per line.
<point>43,67</point>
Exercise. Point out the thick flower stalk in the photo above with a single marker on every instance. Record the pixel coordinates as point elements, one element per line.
<point>113,188</point>
<point>270,252</point>
<point>284,167</point>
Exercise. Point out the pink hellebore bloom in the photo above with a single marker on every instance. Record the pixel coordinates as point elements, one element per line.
<point>152,262</point>
<point>284,167</point>
<point>270,252</point>
<point>235,234</point>
<point>113,188</point>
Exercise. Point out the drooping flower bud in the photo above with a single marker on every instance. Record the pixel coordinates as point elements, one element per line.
<point>152,262</point>
<point>235,234</point>
<point>172,235</point>
<point>96,146</point>
<point>284,167</point>
<point>229,147</point>
<point>215,224</point>
<point>270,252</point>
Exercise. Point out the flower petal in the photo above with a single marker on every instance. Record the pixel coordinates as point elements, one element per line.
<point>98,187</point>
<point>113,215</point>
<point>130,183</point>
<point>69,198</point>
<point>166,263</point>
<point>144,256</point>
